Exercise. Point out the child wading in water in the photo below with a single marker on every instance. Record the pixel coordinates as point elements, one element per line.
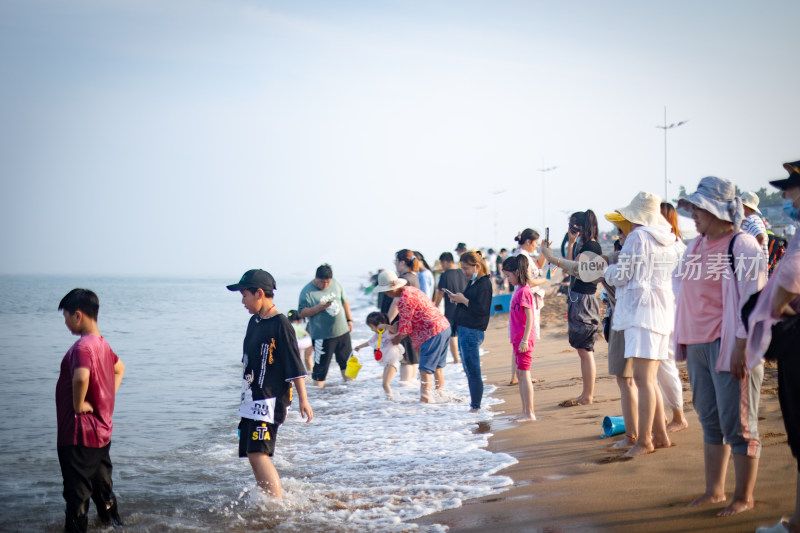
<point>520,328</point>
<point>390,354</point>
<point>271,364</point>
<point>303,339</point>
<point>85,397</point>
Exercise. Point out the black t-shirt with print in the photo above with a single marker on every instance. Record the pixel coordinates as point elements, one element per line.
<point>577,284</point>
<point>271,358</point>
<point>454,280</point>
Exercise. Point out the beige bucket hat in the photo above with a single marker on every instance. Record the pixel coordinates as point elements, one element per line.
<point>750,199</point>
<point>644,209</point>
<point>388,281</point>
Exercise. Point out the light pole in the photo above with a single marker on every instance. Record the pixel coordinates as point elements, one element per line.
<point>496,194</point>
<point>665,127</point>
<point>544,170</point>
<point>478,209</point>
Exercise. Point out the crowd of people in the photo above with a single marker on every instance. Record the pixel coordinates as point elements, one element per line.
<point>706,303</point>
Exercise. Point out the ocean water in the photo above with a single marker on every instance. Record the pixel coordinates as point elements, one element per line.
<point>365,463</point>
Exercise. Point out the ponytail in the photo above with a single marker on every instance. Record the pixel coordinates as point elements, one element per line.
<point>519,265</point>
<point>409,259</point>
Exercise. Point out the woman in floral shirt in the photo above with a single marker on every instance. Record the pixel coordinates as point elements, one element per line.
<point>427,327</point>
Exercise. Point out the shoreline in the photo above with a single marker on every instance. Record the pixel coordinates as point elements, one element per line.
<point>569,479</point>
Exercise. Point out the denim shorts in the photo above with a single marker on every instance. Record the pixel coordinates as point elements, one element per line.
<point>433,352</point>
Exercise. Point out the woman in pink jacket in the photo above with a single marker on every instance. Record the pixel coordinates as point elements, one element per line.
<point>710,337</point>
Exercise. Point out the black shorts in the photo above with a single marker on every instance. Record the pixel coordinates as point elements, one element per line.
<point>411,356</point>
<point>257,437</point>
<point>324,349</point>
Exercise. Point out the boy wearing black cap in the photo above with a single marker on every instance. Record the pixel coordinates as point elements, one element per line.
<point>271,363</point>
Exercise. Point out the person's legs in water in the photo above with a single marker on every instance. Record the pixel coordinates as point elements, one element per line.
<point>103,493</point>
<point>266,475</point>
<point>388,374</point>
<point>425,392</point>
<point>408,372</point>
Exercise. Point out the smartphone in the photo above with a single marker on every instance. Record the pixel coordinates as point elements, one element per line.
<point>448,291</point>
<point>547,243</point>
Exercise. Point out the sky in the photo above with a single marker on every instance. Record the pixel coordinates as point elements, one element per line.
<point>203,138</point>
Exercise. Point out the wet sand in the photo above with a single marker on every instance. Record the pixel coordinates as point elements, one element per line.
<point>568,478</point>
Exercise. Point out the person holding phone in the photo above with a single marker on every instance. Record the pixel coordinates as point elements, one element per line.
<point>451,281</point>
<point>583,307</point>
<point>471,320</point>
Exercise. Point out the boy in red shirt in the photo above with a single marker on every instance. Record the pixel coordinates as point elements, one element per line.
<point>88,382</point>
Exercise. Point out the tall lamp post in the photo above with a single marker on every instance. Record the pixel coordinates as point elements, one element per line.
<point>478,209</point>
<point>496,194</point>
<point>666,127</point>
<point>544,171</point>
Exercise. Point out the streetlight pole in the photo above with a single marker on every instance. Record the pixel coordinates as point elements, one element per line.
<point>665,128</point>
<point>496,194</point>
<point>544,171</point>
<point>478,209</point>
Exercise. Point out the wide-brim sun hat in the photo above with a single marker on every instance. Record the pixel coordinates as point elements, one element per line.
<point>718,197</point>
<point>388,281</point>
<point>750,199</point>
<point>645,210</point>
<point>794,177</point>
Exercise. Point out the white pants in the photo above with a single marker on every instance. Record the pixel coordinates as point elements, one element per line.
<point>670,380</point>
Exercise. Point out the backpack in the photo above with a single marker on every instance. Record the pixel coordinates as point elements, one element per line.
<point>777,248</point>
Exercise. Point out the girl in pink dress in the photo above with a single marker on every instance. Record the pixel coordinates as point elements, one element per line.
<point>520,329</point>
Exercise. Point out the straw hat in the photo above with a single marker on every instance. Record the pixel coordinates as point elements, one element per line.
<point>644,209</point>
<point>718,197</point>
<point>388,281</point>
<point>750,199</point>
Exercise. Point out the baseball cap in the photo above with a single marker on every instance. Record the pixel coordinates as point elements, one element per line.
<point>255,279</point>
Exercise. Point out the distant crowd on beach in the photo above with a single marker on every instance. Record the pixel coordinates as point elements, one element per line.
<point>721,303</point>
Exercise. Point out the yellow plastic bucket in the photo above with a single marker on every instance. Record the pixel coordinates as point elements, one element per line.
<point>353,366</point>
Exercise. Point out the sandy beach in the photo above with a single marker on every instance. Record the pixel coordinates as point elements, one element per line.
<point>569,479</point>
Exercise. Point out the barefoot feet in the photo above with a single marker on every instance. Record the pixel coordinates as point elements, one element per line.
<point>662,442</point>
<point>575,402</point>
<point>640,448</point>
<point>626,442</point>
<point>706,498</point>
<point>677,425</point>
<point>736,507</point>
<point>524,418</point>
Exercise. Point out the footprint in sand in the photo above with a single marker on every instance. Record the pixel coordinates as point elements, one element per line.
<point>613,459</point>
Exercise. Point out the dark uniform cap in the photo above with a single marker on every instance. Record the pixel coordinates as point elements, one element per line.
<point>794,177</point>
<point>255,279</point>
